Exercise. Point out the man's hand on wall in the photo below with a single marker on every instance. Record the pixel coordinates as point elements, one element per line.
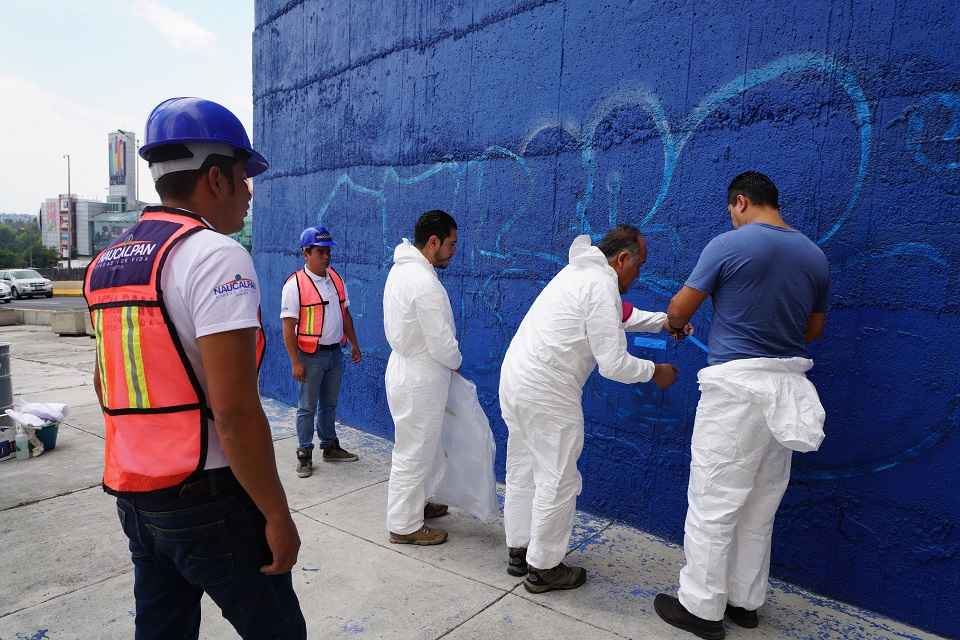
<point>664,375</point>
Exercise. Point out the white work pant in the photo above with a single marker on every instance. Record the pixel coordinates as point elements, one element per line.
<point>542,477</point>
<point>417,396</point>
<point>738,475</point>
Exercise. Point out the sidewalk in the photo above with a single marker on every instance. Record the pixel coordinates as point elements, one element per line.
<point>67,572</point>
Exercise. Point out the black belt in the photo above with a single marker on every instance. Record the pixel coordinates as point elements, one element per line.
<point>328,347</point>
<point>206,484</point>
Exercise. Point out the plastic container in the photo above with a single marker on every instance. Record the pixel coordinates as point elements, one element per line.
<point>23,444</point>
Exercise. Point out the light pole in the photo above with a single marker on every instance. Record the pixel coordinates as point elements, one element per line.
<point>69,215</point>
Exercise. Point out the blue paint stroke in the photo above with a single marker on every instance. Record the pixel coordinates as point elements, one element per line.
<point>650,343</point>
<point>696,342</point>
<point>916,125</point>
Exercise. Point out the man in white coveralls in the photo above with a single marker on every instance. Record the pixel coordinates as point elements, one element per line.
<point>574,325</point>
<point>769,285</point>
<point>418,323</point>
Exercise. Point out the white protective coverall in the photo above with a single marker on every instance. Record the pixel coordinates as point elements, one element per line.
<point>418,323</point>
<point>752,414</point>
<point>573,325</point>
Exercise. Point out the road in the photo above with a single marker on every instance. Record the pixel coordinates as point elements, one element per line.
<point>56,303</point>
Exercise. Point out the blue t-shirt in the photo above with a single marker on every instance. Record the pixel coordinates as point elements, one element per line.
<point>765,282</point>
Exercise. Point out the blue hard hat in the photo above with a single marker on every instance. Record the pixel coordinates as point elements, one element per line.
<point>316,237</point>
<point>183,120</point>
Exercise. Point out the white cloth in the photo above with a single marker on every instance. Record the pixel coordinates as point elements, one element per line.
<point>573,326</point>
<point>209,286</point>
<point>791,404</point>
<point>738,475</point>
<point>418,322</point>
<point>332,330</point>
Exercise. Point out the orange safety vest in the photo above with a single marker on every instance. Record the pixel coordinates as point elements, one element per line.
<point>155,413</point>
<point>313,309</point>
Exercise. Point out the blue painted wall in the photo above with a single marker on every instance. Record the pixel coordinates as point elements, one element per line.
<point>535,121</point>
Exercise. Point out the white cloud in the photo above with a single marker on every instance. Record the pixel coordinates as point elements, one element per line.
<point>178,29</point>
<point>49,124</point>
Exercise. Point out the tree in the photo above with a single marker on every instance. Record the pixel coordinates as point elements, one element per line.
<point>21,246</point>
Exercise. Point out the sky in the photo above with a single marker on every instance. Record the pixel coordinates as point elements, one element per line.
<point>74,71</point>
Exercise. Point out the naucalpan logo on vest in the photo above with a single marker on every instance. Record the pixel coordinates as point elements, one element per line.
<point>128,252</point>
<point>237,285</point>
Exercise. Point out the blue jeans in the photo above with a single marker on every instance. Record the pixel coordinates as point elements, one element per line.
<point>318,395</point>
<point>183,547</point>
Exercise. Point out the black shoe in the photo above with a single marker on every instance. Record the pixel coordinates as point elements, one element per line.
<point>336,453</point>
<point>674,613</point>
<point>742,617</point>
<point>517,562</point>
<point>304,463</point>
<point>560,577</point>
<point>435,510</point>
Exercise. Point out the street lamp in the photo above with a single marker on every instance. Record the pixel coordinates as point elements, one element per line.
<point>69,212</point>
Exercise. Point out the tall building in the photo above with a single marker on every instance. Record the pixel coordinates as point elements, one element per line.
<point>122,155</point>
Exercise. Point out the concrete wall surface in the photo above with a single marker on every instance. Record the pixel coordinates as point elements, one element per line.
<point>534,121</point>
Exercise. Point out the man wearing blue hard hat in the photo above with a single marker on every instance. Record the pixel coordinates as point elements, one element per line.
<point>188,450</point>
<point>316,320</point>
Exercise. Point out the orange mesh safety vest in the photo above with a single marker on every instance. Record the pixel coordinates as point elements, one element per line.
<point>155,413</point>
<point>313,309</point>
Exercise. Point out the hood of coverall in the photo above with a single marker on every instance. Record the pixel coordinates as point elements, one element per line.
<point>406,252</point>
<point>585,255</point>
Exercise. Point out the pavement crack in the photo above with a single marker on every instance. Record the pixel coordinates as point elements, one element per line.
<point>469,618</point>
<point>66,593</point>
<point>44,499</point>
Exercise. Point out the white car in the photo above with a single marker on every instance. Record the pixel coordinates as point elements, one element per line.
<point>5,293</point>
<point>25,283</point>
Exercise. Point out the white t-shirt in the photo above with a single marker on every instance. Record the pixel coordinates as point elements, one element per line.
<point>209,286</point>
<point>332,318</point>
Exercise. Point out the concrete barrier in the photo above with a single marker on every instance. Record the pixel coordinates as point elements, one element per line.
<point>69,323</point>
<point>9,317</point>
<point>68,288</point>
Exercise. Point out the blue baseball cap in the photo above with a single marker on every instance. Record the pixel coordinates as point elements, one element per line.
<point>316,237</point>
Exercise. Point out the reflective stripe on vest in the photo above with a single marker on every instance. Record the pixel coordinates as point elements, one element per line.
<point>313,308</point>
<point>155,412</point>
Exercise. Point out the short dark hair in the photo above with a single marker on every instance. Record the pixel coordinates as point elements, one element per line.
<point>623,237</point>
<point>179,185</point>
<point>755,186</point>
<point>435,222</point>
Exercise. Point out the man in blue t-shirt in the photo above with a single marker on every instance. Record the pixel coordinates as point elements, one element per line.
<point>770,286</point>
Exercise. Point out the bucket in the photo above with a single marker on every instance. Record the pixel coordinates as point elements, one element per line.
<point>48,435</point>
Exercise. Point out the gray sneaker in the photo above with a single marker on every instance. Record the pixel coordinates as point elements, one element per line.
<point>304,463</point>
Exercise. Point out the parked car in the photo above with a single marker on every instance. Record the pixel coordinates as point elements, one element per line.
<point>6,294</point>
<point>25,283</point>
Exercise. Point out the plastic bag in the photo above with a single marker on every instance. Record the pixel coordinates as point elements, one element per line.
<point>463,473</point>
<point>38,414</point>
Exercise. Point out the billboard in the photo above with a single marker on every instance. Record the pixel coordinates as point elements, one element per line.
<point>117,152</point>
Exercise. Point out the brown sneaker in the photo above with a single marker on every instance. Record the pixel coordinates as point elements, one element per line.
<point>435,510</point>
<point>424,536</point>
<point>336,453</point>
<point>559,577</point>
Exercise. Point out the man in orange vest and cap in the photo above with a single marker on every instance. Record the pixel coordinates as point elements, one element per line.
<point>187,447</point>
<point>316,323</point>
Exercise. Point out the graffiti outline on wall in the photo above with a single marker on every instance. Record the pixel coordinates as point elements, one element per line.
<point>508,261</point>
